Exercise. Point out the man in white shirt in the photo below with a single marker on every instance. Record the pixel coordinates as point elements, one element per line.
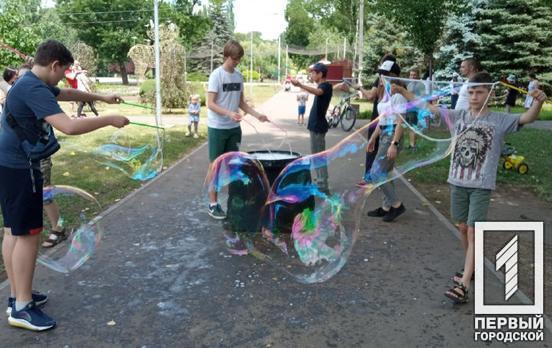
<point>468,68</point>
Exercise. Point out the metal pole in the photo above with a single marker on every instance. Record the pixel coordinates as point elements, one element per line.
<point>279,54</point>
<point>211,55</point>
<point>360,40</point>
<point>344,48</point>
<point>287,49</point>
<point>157,64</point>
<point>326,54</point>
<point>251,69</point>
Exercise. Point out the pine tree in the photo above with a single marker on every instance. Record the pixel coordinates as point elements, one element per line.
<point>221,31</point>
<point>516,37</point>
<point>460,38</point>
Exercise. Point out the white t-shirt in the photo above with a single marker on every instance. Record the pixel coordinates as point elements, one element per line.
<point>389,109</point>
<point>228,87</point>
<point>463,102</point>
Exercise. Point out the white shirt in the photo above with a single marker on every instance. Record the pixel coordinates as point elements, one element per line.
<point>389,109</point>
<point>463,102</point>
<point>228,87</point>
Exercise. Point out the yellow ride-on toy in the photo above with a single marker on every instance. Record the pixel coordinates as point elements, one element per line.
<point>513,161</point>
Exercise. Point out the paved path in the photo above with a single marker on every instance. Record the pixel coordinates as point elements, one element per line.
<point>163,277</point>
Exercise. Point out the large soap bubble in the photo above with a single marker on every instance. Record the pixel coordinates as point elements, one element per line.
<point>136,153</point>
<point>303,214</point>
<point>78,211</point>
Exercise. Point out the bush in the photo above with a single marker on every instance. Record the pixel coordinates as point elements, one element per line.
<point>147,92</point>
<point>197,76</point>
<point>255,74</point>
<point>199,88</point>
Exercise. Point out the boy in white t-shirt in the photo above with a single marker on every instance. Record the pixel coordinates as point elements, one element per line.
<point>224,99</point>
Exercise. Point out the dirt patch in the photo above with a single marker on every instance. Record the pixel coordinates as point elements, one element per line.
<point>509,203</point>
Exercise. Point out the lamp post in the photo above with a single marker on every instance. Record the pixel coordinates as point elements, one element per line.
<point>157,63</point>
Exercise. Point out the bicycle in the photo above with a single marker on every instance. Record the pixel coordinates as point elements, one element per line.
<point>343,113</point>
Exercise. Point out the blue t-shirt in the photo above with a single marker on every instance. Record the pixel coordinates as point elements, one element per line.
<point>29,100</point>
<point>317,118</point>
<point>193,108</point>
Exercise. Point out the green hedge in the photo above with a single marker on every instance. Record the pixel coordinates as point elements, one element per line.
<point>197,76</point>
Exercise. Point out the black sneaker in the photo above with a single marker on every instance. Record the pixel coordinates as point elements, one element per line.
<point>31,318</point>
<point>380,212</point>
<point>394,213</point>
<point>38,298</point>
<point>216,212</point>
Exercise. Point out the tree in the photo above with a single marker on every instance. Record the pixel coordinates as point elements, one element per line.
<point>192,21</point>
<point>216,38</point>
<point>17,29</point>
<point>460,38</point>
<point>382,37</point>
<point>515,37</point>
<point>110,27</point>
<point>422,20</point>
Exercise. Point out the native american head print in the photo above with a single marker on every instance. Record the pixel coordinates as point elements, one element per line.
<point>470,152</point>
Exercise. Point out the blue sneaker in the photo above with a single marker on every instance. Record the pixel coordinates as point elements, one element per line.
<point>38,298</point>
<point>31,318</point>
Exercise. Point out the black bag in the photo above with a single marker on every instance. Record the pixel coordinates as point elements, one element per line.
<point>38,141</point>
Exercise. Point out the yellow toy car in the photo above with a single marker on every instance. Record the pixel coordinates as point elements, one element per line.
<point>513,161</point>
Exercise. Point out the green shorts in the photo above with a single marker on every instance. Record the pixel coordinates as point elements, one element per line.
<point>468,205</point>
<point>222,141</point>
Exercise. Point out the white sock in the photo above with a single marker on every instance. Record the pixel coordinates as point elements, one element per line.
<point>19,305</point>
<point>212,205</point>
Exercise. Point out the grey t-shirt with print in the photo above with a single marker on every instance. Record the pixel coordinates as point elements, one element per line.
<point>228,87</point>
<point>477,148</point>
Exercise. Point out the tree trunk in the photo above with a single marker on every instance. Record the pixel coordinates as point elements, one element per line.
<point>124,74</point>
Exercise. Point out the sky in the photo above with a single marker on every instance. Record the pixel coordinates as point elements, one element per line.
<point>265,16</point>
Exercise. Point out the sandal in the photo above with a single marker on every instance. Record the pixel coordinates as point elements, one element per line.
<point>54,238</point>
<point>459,275</point>
<point>458,294</point>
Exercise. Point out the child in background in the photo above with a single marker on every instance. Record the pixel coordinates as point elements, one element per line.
<point>193,113</point>
<point>302,98</point>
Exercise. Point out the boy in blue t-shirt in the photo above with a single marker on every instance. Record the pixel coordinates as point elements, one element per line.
<point>193,113</point>
<point>26,137</point>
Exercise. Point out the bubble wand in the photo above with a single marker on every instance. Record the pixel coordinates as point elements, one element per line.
<point>137,105</point>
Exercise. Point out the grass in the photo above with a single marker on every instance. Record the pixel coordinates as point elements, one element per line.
<point>534,144</point>
<point>545,114</point>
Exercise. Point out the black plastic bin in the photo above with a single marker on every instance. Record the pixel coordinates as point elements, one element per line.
<point>246,211</point>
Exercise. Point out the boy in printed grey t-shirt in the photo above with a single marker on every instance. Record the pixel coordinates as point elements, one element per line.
<point>479,135</point>
<point>478,140</point>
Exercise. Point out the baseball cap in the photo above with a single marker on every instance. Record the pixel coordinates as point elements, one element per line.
<point>319,67</point>
<point>389,66</point>
<point>511,78</point>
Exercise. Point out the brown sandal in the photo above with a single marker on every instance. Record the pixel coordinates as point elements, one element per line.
<point>54,238</point>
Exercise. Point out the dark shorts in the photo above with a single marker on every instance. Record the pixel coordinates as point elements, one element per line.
<point>301,109</point>
<point>412,118</point>
<point>21,207</point>
<point>222,141</point>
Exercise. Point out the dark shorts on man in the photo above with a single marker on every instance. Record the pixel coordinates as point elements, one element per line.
<point>221,141</point>
<point>21,202</point>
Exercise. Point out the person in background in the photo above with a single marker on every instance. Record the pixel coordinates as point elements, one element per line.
<point>533,85</point>
<point>511,95</point>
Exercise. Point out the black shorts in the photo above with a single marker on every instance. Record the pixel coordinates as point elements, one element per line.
<point>21,207</point>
